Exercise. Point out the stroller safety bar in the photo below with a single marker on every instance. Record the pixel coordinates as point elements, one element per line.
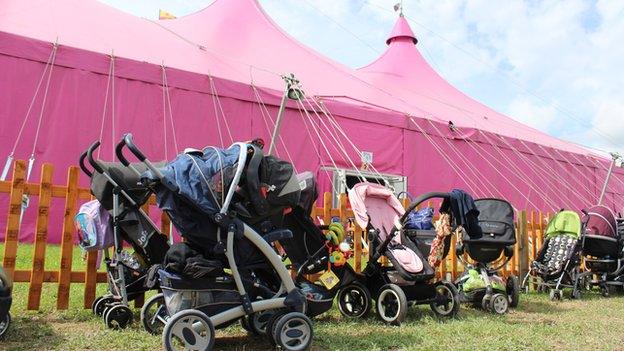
<point>129,142</point>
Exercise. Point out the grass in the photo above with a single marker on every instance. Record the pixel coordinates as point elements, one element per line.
<point>538,324</point>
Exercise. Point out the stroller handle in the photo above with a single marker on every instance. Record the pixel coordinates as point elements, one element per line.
<point>82,165</point>
<point>120,156</point>
<point>95,164</point>
<point>422,198</point>
<point>128,142</point>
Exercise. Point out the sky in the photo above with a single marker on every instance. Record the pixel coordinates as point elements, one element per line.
<point>555,65</point>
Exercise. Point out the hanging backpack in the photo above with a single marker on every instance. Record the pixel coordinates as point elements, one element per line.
<point>420,220</point>
<point>93,226</point>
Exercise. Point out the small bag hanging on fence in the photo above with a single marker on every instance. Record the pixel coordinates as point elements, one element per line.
<point>93,225</point>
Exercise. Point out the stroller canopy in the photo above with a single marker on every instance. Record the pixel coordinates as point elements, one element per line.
<point>601,221</point>
<point>376,205</point>
<point>564,223</point>
<point>496,219</point>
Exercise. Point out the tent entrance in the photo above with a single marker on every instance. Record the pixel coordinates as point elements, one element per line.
<point>344,179</point>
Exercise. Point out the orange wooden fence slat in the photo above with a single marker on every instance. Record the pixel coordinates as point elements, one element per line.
<point>14,217</point>
<point>71,199</point>
<point>41,237</point>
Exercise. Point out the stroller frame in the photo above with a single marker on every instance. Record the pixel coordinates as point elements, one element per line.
<point>118,298</point>
<point>193,322</point>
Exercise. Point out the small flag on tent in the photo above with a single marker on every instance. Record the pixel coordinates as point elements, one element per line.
<point>397,6</point>
<point>164,15</point>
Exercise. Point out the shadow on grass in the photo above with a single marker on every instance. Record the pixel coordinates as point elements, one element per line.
<point>28,333</point>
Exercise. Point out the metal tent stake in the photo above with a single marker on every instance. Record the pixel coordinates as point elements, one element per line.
<point>615,157</point>
<point>293,92</point>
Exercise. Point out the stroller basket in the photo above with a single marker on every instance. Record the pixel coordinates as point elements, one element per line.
<point>211,296</point>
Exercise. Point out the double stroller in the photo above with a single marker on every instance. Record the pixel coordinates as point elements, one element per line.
<point>228,205</point>
<point>602,251</point>
<point>409,279</point>
<point>487,235</point>
<point>117,188</point>
<point>557,263</point>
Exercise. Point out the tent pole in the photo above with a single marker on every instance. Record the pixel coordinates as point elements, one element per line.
<point>292,91</point>
<point>606,182</point>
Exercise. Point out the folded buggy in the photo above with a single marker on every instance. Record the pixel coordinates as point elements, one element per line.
<point>557,263</point>
<point>117,188</point>
<point>602,251</point>
<point>493,236</point>
<point>409,279</point>
<point>205,195</point>
<point>6,288</point>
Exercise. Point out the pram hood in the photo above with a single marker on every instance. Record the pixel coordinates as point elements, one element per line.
<point>376,205</point>
<point>601,221</point>
<point>564,223</point>
<point>496,221</point>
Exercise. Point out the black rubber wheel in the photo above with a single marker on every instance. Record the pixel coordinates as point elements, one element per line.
<point>485,302</point>
<point>555,295</point>
<point>576,294</point>
<point>270,327</point>
<point>99,305</point>
<point>154,314</point>
<point>499,304</point>
<point>259,321</point>
<point>293,332</point>
<point>513,291</point>
<point>4,325</point>
<point>118,317</point>
<point>180,334</point>
<point>447,300</point>
<point>392,304</point>
<point>354,301</point>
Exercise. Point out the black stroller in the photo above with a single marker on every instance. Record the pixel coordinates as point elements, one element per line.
<point>116,186</point>
<point>484,242</point>
<point>410,277</point>
<point>212,197</point>
<point>557,264</point>
<point>6,287</point>
<point>602,250</point>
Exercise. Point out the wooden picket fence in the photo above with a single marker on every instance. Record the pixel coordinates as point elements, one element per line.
<point>530,228</point>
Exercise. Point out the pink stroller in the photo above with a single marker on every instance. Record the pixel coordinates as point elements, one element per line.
<point>410,278</point>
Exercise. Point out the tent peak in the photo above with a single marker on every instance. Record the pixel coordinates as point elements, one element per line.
<point>401,30</point>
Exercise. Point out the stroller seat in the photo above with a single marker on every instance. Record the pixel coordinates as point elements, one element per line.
<point>557,252</point>
<point>375,207</point>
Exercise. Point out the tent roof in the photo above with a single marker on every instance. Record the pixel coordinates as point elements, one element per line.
<point>236,40</point>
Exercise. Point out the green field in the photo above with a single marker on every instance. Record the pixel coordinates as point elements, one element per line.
<point>538,324</point>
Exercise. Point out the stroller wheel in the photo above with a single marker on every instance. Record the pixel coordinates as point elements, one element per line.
<point>293,332</point>
<point>271,323</point>
<point>576,294</point>
<point>499,303</point>
<point>555,295</point>
<point>605,291</point>
<point>392,304</point>
<point>258,321</point>
<point>118,317</point>
<point>99,305</point>
<point>354,301</point>
<point>189,330</point>
<point>447,300</point>
<point>513,291</point>
<point>4,325</point>
<point>485,302</point>
<point>154,314</point>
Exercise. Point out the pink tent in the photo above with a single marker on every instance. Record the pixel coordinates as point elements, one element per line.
<point>214,76</point>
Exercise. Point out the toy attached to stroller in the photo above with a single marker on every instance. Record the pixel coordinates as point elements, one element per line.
<point>492,236</point>
<point>410,277</point>
<point>116,187</point>
<point>602,250</point>
<point>199,192</point>
<point>557,263</point>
